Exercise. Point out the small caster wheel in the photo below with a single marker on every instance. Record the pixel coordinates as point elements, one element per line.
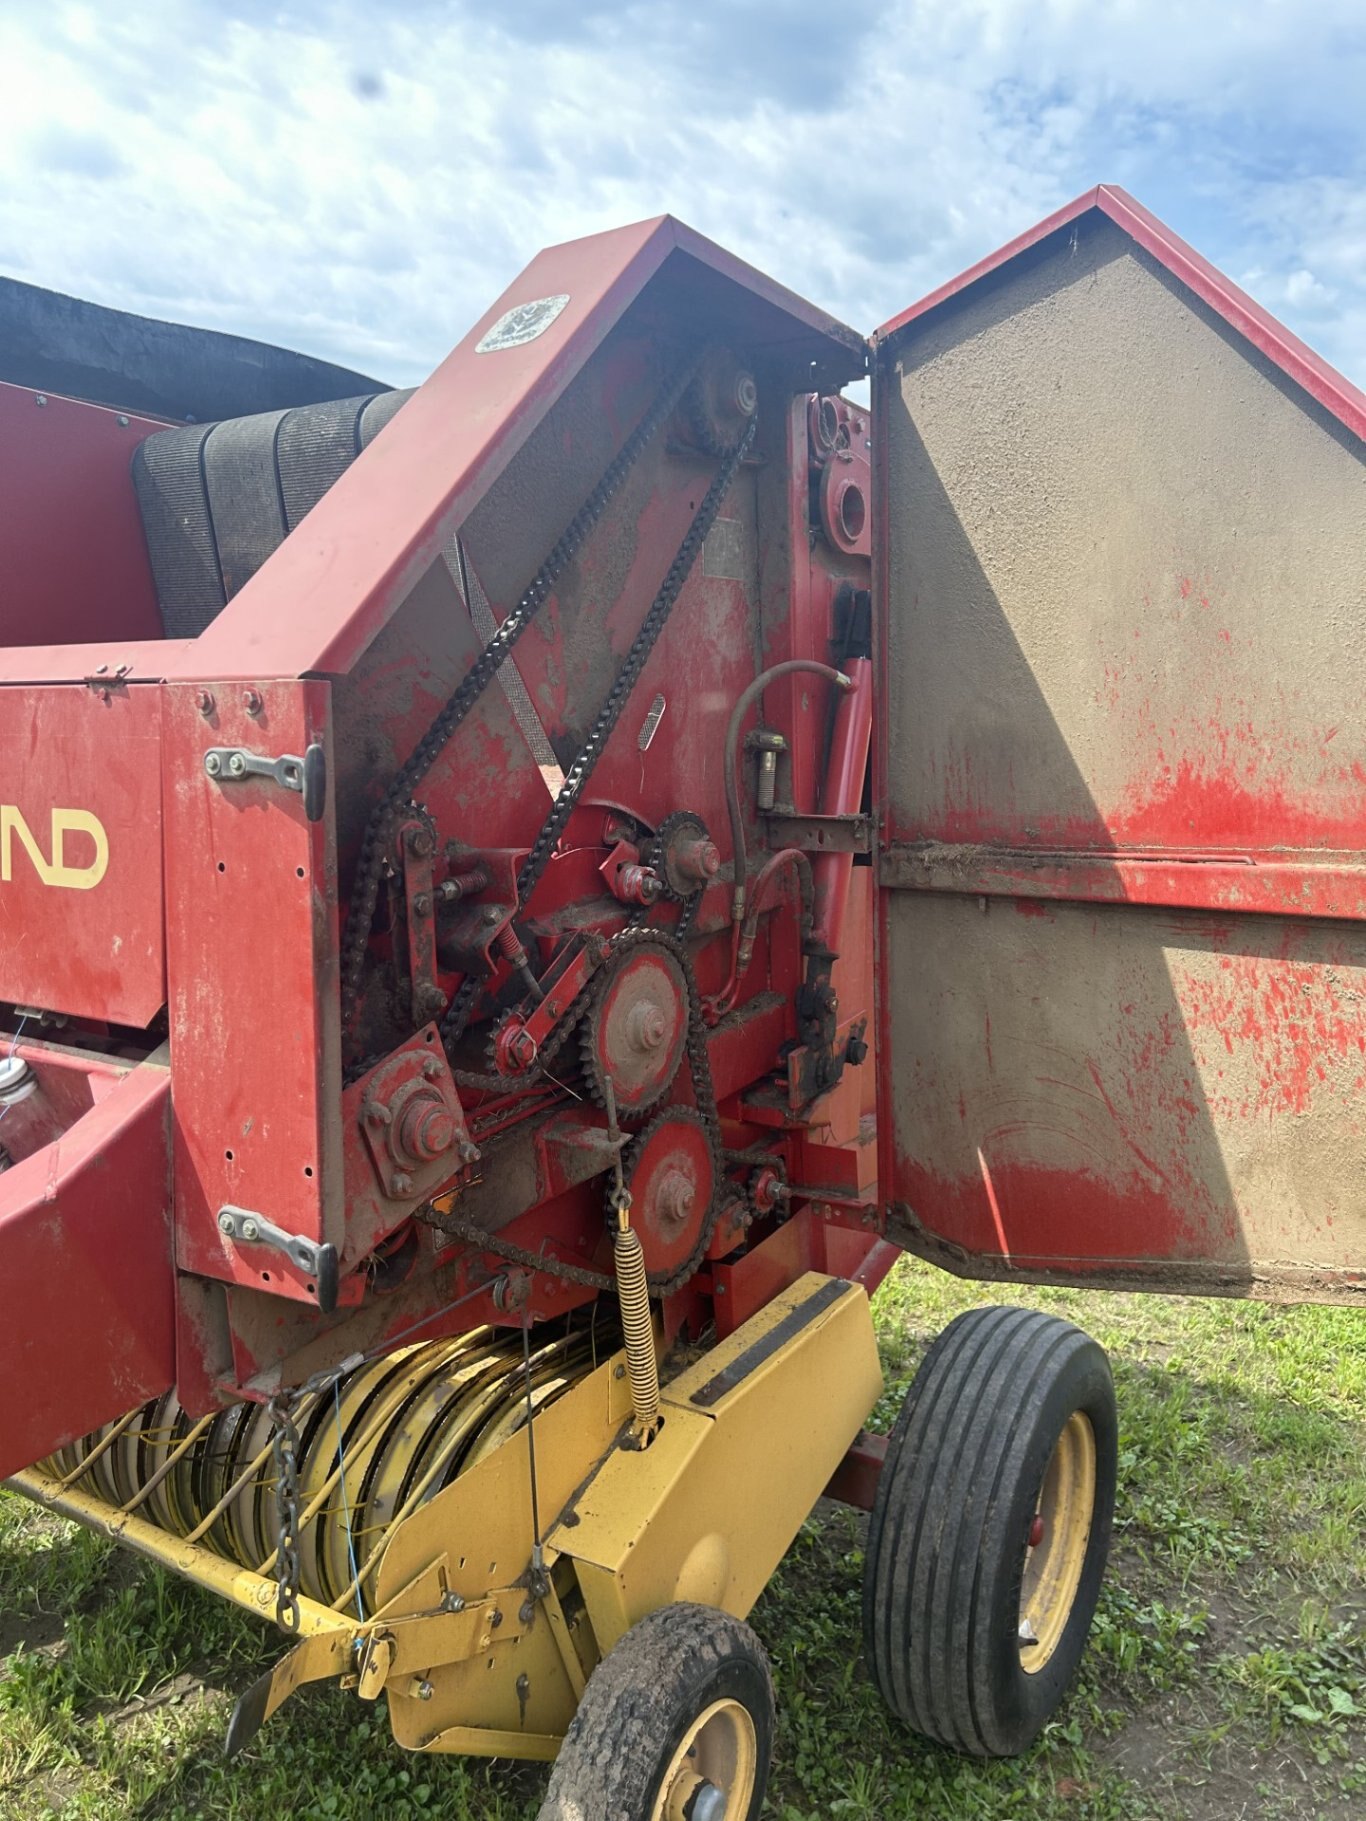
<point>676,1724</point>
<point>990,1530</point>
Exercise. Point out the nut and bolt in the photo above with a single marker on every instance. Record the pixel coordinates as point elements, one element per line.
<point>646,1027</point>
<point>420,842</point>
<point>527,1611</point>
<point>452,1602</point>
<point>249,1230</point>
<point>237,765</point>
<point>521,1049</point>
<point>400,1183</point>
<point>225,1222</point>
<point>213,765</point>
<point>489,914</point>
<point>203,701</point>
<point>251,701</point>
<point>425,1692</point>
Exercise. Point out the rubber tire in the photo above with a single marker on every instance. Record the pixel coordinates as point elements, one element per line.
<point>639,1703</point>
<point>948,1534</point>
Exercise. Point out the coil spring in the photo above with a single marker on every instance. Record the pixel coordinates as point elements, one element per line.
<point>633,1295</point>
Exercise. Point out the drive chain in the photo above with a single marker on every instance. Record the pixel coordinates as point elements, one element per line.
<point>284,1446</point>
<point>699,1064</point>
<point>378,837</point>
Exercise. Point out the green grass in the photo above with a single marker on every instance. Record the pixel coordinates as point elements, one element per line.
<point>1226,1675</point>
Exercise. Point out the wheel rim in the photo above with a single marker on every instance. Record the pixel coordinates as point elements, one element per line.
<point>713,1773</point>
<point>1056,1545</point>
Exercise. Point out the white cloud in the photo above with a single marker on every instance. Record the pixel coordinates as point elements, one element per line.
<point>361,182</point>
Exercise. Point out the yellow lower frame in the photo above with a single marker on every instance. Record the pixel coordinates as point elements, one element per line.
<point>480,1653</point>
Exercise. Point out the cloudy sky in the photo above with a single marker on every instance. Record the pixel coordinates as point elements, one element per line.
<point>361,180</point>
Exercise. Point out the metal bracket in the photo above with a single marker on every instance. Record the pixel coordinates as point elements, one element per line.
<point>230,764</point>
<point>319,1262</point>
<point>822,834</point>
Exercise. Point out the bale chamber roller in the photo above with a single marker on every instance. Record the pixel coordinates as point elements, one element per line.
<point>518,898</point>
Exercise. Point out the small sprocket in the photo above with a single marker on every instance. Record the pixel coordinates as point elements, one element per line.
<point>671,1170</point>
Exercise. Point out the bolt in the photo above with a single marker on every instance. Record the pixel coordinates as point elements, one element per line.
<point>469,1153</point>
<point>527,1611</point>
<point>251,701</point>
<point>249,1230</point>
<point>620,1372</point>
<point>489,914</point>
<point>521,1049</point>
<point>40,398</point>
<point>203,701</point>
<point>495,1620</point>
<point>422,904</point>
<point>420,842</point>
<point>452,1602</point>
<point>425,1691</point>
<point>237,765</point>
<point>375,1112</point>
<point>431,1068</point>
<point>212,764</point>
<point>647,1027</point>
<point>400,1183</point>
<point>225,1222</point>
<point>123,422</point>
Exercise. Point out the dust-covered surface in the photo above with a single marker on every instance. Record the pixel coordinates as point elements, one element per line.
<point>1226,1678</point>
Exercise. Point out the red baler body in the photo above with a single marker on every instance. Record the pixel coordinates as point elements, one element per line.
<point>1111,846</point>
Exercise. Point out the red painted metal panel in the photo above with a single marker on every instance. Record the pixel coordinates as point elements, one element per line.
<point>80,852</point>
<point>126,660</point>
<point>72,553</point>
<point>327,592</point>
<point>85,1236</point>
<point>252,957</point>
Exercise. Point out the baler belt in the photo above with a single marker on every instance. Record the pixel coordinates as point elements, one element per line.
<point>218,499</point>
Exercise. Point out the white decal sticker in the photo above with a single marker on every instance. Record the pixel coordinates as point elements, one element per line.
<point>522,323</point>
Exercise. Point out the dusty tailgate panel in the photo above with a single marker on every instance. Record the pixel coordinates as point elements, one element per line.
<point>1125,652</point>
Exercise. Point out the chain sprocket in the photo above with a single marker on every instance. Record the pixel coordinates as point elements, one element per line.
<point>609,1040</point>
<point>665,1168</point>
<point>699,1065</point>
<point>669,850</point>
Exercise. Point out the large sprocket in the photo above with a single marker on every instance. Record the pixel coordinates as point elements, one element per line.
<point>635,1032</point>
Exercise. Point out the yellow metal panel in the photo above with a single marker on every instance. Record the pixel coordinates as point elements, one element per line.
<point>479,1527</point>
<point>708,1511</point>
<point>476,1536</point>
